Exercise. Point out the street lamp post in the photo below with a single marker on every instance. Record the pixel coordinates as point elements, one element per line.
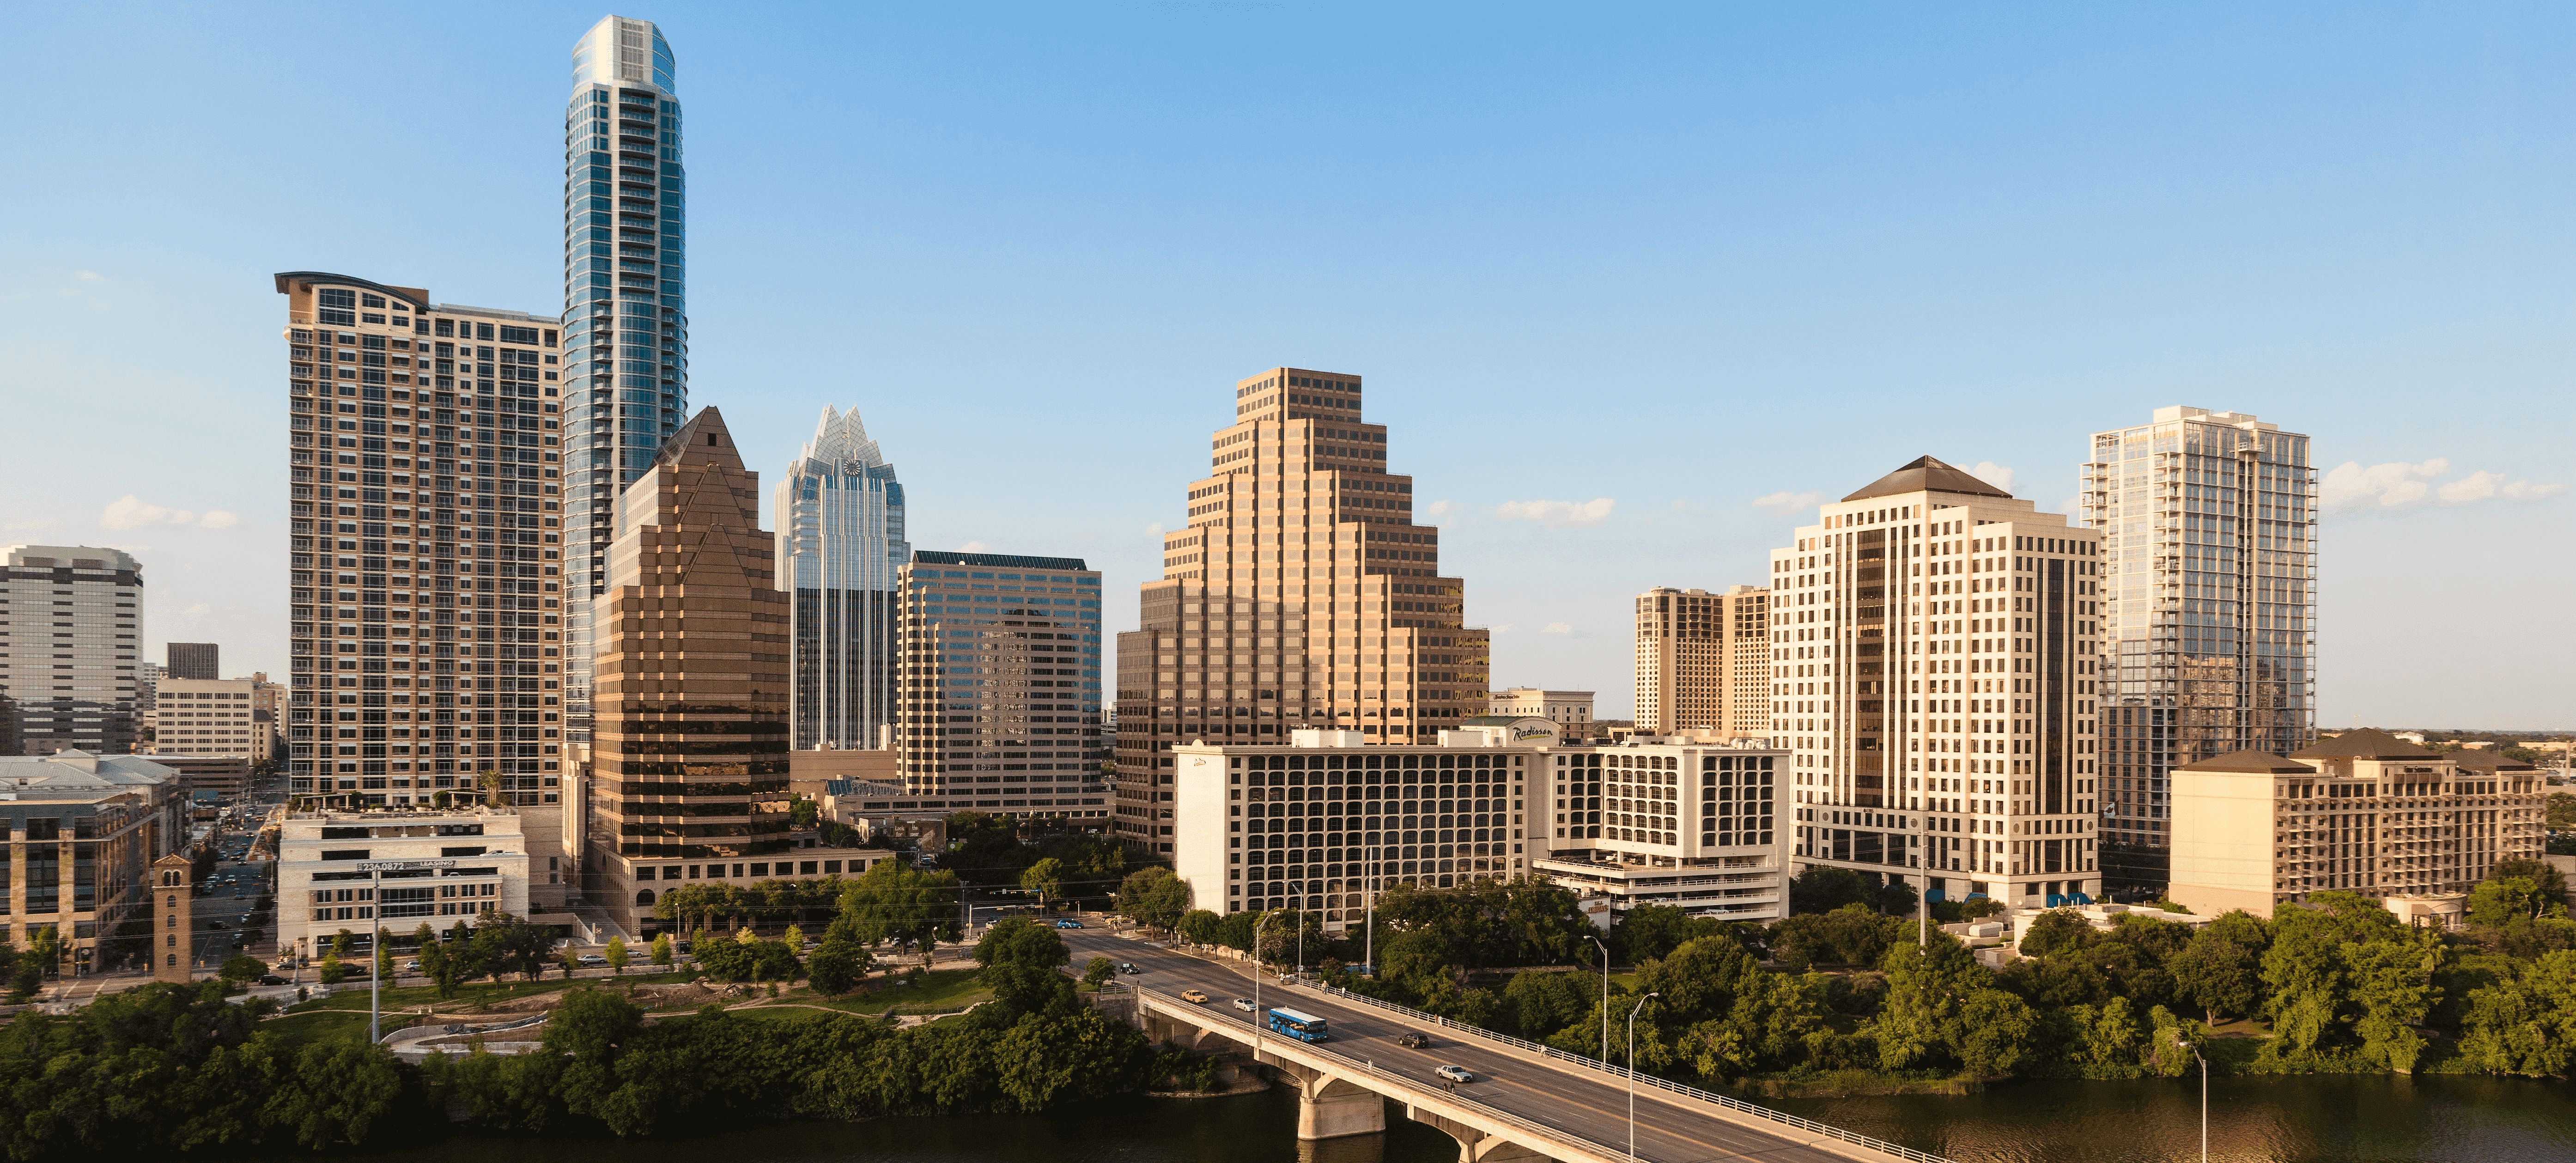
<point>1605,997</point>
<point>2204,1095</point>
<point>1257,927</point>
<point>375,870</point>
<point>1632,1074</point>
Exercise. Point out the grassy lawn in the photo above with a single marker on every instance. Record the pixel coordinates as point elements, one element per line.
<point>328,1026</point>
<point>942,991</point>
<point>470,996</point>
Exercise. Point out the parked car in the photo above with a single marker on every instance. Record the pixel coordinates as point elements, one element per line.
<point>1456,1073</point>
<point>412,966</point>
<point>215,924</point>
<point>1068,923</point>
<point>592,961</point>
<point>1244,1004</point>
<point>1128,967</point>
<point>271,979</point>
<point>1194,997</point>
<point>1413,1040</point>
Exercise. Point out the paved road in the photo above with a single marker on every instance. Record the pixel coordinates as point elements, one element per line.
<point>1574,1100</point>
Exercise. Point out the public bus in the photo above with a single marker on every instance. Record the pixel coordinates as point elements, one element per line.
<point>1304,1027</point>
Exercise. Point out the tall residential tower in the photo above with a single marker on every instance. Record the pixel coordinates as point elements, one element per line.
<point>2209,528</point>
<point>1704,661</point>
<point>840,546</point>
<point>626,326</point>
<point>1301,594</point>
<point>424,562</point>
<point>1935,652</point>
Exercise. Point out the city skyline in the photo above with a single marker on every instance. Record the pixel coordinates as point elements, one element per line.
<point>2349,369</point>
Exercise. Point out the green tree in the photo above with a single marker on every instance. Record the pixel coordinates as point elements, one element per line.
<point>2525,1023</point>
<point>2055,930</point>
<point>1998,1034</point>
<point>1822,890</point>
<point>616,954</point>
<point>840,963</point>
<point>384,956</point>
<point>332,970</point>
<point>239,968</point>
<point>1647,932</point>
<point>438,962</point>
<point>503,944</point>
<point>1201,927</point>
<point>662,949</point>
<point>2221,969</point>
<point>1154,897</point>
<point>2551,882</point>
<point>2497,902</point>
<point>2392,981</point>
<point>1021,941</point>
<point>905,906</point>
<point>1098,971</point>
<point>1045,878</point>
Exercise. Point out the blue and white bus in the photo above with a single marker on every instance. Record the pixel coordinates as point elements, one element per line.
<point>1302,1026</point>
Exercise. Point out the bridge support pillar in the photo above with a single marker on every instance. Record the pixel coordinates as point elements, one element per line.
<point>1331,1107</point>
<point>1476,1145</point>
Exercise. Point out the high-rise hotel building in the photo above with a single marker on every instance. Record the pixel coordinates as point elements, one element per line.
<point>625,323</point>
<point>2209,539</point>
<point>71,629</point>
<point>1936,654</point>
<point>1704,661</point>
<point>1000,684</point>
<point>840,545</point>
<point>427,595</point>
<point>1300,594</point>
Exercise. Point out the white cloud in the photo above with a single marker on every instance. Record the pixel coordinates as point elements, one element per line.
<point>974,547</point>
<point>1559,514</point>
<point>1556,628</point>
<point>1154,530</point>
<point>1440,508</point>
<point>132,512</point>
<point>2352,486</point>
<point>1787,504</point>
<point>1505,628</point>
<point>197,610</point>
<point>1681,504</point>
<point>91,277</point>
<point>1993,474</point>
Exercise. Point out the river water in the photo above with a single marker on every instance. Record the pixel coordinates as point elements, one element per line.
<point>2437,1119</point>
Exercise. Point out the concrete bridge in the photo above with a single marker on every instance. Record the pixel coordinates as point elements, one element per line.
<point>1526,1104</point>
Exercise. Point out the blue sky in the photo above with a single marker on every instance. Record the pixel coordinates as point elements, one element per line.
<point>1680,258</point>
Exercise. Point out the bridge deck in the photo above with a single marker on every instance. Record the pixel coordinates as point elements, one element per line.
<point>1582,1103</point>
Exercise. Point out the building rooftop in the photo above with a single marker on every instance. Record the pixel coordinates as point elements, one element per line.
<point>2365,743</point>
<point>996,560</point>
<point>2491,761</point>
<point>2250,763</point>
<point>1927,475</point>
<point>79,773</point>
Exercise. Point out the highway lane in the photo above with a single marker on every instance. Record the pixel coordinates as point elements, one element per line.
<point>1576,1101</point>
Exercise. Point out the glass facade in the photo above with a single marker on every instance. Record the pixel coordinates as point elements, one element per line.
<point>840,546</point>
<point>626,334</point>
<point>2209,526</point>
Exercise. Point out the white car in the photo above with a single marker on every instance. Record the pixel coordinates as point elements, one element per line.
<point>1244,1004</point>
<point>1456,1073</point>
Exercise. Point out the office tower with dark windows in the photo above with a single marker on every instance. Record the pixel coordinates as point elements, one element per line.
<point>426,598</point>
<point>195,660</point>
<point>2209,534</point>
<point>689,767</point>
<point>71,625</point>
<point>1000,684</point>
<point>840,545</point>
<point>626,325</point>
<point>1301,593</point>
<point>1937,676</point>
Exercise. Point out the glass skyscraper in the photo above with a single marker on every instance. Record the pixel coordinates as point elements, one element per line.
<point>2209,540</point>
<point>840,546</point>
<point>626,327</point>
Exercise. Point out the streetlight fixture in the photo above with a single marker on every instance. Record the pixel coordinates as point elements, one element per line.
<point>1605,997</point>
<point>376,955</point>
<point>1632,1074</point>
<point>1257,927</point>
<point>2204,1095</point>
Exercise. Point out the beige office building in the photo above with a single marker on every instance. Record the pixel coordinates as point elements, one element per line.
<point>71,617</point>
<point>425,554</point>
<point>2364,812</point>
<point>1301,594</point>
<point>997,684</point>
<point>1704,661</point>
<point>1571,711</point>
<point>1935,652</point>
<point>211,716</point>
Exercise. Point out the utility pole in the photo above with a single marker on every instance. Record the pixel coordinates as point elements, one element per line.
<point>1605,998</point>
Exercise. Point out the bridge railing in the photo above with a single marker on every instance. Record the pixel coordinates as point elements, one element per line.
<point>1647,1080</point>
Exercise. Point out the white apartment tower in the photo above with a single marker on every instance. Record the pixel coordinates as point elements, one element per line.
<point>71,619</point>
<point>2209,535</point>
<point>840,547</point>
<point>1703,661</point>
<point>1935,651</point>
